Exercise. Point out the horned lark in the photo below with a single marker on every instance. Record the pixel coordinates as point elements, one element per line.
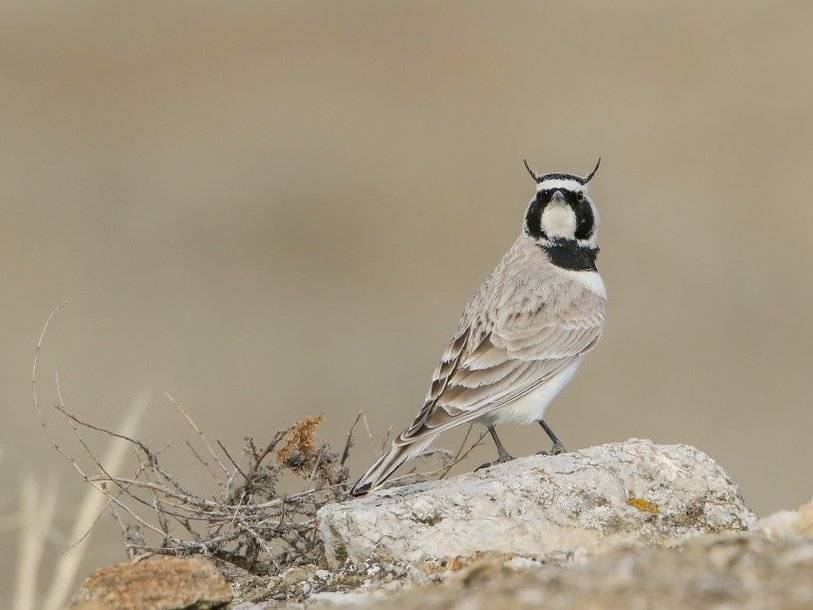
<point>523,333</point>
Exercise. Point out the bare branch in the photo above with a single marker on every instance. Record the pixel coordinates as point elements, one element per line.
<point>231,459</point>
<point>348,444</point>
<point>201,435</point>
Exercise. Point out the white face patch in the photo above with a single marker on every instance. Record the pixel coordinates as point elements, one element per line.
<point>558,220</point>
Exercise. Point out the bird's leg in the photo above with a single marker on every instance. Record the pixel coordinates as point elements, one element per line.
<point>502,452</point>
<point>558,447</point>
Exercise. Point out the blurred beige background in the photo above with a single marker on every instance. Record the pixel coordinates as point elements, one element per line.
<point>273,209</point>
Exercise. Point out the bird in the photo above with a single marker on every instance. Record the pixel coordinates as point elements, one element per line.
<point>522,334</point>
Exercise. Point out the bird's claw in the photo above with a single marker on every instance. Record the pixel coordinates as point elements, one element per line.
<point>500,460</point>
<point>555,450</point>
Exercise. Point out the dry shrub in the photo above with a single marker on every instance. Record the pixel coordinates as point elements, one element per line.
<point>250,520</point>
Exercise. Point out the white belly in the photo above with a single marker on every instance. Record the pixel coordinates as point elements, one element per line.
<point>531,408</point>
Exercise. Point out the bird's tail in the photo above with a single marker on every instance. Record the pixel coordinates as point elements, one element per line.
<point>386,466</point>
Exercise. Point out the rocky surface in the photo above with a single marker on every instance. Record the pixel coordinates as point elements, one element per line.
<point>743,571</point>
<point>543,507</point>
<point>726,571</point>
<point>626,525</point>
<point>311,584</point>
<point>788,523</point>
<point>159,583</point>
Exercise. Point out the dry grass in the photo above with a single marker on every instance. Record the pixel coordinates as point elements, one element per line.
<point>37,509</point>
<point>93,504</point>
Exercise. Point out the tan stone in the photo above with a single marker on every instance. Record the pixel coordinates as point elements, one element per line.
<point>160,583</point>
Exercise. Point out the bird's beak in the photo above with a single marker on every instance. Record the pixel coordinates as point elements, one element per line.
<point>557,197</point>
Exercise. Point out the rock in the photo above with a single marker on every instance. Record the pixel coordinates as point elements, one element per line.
<point>743,571</point>
<point>297,574</point>
<point>160,583</point>
<point>245,586</point>
<point>584,501</point>
<point>350,598</point>
<point>788,523</point>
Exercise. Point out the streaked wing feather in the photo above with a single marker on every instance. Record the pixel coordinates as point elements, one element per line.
<point>490,364</point>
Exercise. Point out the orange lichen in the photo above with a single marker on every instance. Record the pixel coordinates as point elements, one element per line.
<point>644,505</point>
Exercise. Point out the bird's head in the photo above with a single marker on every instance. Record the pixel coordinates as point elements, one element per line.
<point>561,209</point>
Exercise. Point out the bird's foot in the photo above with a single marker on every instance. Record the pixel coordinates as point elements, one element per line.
<point>555,450</point>
<point>500,460</point>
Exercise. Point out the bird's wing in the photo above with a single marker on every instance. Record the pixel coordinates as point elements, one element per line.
<point>493,362</point>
